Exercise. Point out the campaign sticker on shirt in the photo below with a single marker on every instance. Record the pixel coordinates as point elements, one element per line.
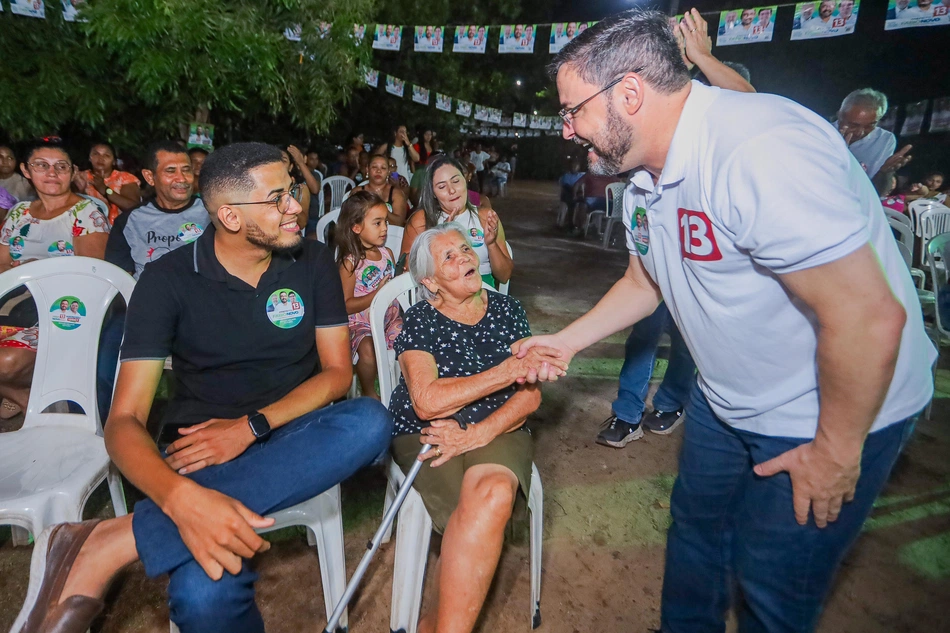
<point>477,237</point>
<point>640,227</point>
<point>17,243</point>
<point>67,313</point>
<point>189,232</point>
<point>371,276</point>
<point>285,308</point>
<point>60,248</point>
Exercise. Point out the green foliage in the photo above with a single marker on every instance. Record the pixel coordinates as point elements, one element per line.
<point>173,57</point>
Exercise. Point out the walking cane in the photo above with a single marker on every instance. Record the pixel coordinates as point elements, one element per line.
<point>373,545</point>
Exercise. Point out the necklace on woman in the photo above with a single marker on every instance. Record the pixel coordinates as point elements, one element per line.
<point>378,191</point>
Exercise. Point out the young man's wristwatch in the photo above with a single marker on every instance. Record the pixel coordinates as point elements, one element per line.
<point>109,191</point>
<point>260,427</point>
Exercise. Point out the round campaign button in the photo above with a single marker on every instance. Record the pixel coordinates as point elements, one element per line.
<point>189,232</point>
<point>60,248</point>
<point>640,228</point>
<point>17,243</point>
<point>285,308</point>
<point>477,237</point>
<point>67,313</point>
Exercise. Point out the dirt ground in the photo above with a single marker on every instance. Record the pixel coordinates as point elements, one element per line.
<point>606,511</point>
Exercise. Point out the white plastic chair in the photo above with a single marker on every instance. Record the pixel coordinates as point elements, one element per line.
<point>339,187</point>
<point>905,244</point>
<point>414,528</point>
<point>504,286</point>
<point>933,222</point>
<point>50,467</point>
<point>394,239</point>
<point>323,518</point>
<point>918,208</point>
<point>939,246</point>
<point>614,208</point>
<point>323,223</point>
<point>900,217</point>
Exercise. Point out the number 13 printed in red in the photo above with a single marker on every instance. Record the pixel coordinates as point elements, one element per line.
<point>697,240</point>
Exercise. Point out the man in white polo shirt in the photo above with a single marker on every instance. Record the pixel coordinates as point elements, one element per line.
<point>773,254</point>
<point>858,119</point>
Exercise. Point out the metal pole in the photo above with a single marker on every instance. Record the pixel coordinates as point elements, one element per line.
<point>373,545</point>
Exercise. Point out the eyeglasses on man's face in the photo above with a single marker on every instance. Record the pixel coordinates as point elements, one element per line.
<point>281,200</point>
<point>568,113</point>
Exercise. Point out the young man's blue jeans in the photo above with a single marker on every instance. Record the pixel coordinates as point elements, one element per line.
<point>638,368</point>
<point>732,529</point>
<point>299,461</point>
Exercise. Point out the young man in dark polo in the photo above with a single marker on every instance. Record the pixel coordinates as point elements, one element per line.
<point>255,387</point>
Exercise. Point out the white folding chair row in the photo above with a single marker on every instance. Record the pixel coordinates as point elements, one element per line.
<point>323,224</point>
<point>938,250</point>
<point>933,222</point>
<point>614,213</point>
<point>905,244</point>
<point>414,528</point>
<point>898,216</point>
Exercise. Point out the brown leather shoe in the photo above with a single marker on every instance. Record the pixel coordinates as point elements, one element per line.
<point>53,556</point>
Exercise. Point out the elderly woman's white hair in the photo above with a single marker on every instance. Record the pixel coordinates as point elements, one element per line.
<point>421,261</point>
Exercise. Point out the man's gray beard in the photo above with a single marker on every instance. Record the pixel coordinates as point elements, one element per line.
<point>257,237</point>
<point>617,140</point>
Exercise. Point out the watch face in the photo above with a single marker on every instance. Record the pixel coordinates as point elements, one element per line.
<point>259,425</point>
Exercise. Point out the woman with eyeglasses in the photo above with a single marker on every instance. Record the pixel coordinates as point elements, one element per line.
<point>58,223</point>
<point>119,189</point>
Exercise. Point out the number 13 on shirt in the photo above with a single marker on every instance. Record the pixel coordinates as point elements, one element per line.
<point>697,240</point>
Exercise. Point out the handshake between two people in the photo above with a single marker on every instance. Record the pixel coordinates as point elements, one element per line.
<point>540,359</point>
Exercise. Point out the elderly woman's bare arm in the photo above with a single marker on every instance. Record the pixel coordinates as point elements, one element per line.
<point>433,397</point>
<point>452,440</point>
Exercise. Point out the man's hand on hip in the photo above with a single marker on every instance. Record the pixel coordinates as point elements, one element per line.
<point>213,442</point>
<point>823,479</point>
<point>216,529</point>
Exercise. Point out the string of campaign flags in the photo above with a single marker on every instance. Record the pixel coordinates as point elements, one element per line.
<point>515,124</point>
<point>813,19</point>
<point>915,115</point>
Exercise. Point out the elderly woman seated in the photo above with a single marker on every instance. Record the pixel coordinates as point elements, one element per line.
<point>463,392</point>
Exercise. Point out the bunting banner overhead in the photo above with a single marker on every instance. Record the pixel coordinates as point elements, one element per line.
<point>428,39</point>
<point>824,18</point>
<point>517,38</point>
<point>470,39</point>
<point>746,26</point>
<point>387,37</point>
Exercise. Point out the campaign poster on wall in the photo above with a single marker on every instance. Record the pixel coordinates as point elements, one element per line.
<point>517,38</point>
<point>481,112</point>
<point>824,18</point>
<point>470,38</point>
<point>420,95</point>
<point>746,26</point>
<point>564,32</point>
<point>908,14</point>
<point>387,37</point>
<point>428,39</point>
<point>371,77</point>
<point>463,108</point>
<point>29,8</point>
<point>395,86</point>
<point>443,102</point>
<point>519,119</point>
<point>494,115</point>
<point>201,135</point>
<point>940,118</point>
<point>914,118</point>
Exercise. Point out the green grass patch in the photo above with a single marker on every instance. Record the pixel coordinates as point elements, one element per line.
<point>930,557</point>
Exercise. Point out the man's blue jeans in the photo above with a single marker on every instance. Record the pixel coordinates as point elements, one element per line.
<point>638,368</point>
<point>300,460</point>
<point>734,530</point>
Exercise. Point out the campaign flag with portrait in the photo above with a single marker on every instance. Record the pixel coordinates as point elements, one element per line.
<point>420,95</point>
<point>359,33</point>
<point>387,37</point>
<point>371,77</point>
<point>940,118</point>
<point>746,26</point>
<point>914,118</point>
<point>517,38</point>
<point>29,8</point>
<point>443,102</point>
<point>428,39</point>
<point>395,86</point>
<point>909,14</point>
<point>481,112</point>
<point>519,119</point>
<point>463,108</point>
<point>564,32</point>
<point>201,135</point>
<point>470,38</point>
<point>71,8</point>
<point>824,18</point>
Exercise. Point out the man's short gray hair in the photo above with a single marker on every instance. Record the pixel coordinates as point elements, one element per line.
<point>866,97</point>
<point>622,43</point>
<point>421,261</point>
